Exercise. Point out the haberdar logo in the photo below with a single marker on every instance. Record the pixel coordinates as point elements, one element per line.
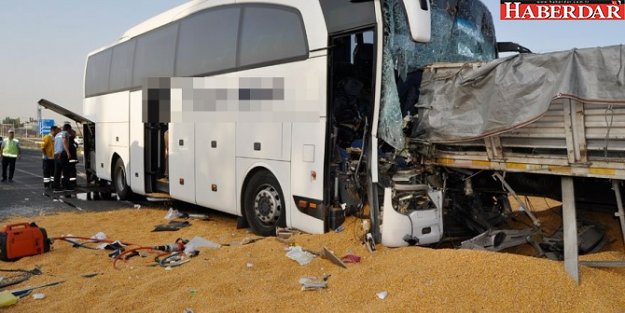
<point>563,10</point>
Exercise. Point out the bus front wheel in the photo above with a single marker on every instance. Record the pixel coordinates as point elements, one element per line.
<point>119,180</point>
<point>264,204</point>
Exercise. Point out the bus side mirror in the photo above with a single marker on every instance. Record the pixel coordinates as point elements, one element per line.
<point>419,19</point>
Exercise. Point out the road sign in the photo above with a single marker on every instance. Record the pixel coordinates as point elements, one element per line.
<point>45,125</point>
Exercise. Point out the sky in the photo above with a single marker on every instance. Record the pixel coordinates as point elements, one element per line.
<point>44,43</point>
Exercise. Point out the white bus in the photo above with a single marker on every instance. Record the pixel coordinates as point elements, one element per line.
<point>283,112</point>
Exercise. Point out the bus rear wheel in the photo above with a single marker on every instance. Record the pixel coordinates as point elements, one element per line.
<point>119,180</point>
<point>264,204</point>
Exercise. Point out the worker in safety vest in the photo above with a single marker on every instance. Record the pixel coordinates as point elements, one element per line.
<point>10,152</point>
<point>47,149</point>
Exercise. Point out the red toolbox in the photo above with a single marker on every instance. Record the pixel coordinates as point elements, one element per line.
<point>23,239</point>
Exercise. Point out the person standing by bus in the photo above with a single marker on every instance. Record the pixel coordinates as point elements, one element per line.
<point>47,148</point>
<point>10,152</point>
<point>73,160</point>
<point>61,159</point>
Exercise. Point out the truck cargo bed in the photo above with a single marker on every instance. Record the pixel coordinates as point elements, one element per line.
<point>573,138</point>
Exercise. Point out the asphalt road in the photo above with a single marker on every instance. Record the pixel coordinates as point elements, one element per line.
<point>25,196</point>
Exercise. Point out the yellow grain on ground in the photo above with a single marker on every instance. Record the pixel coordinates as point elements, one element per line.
<point>416,279</point>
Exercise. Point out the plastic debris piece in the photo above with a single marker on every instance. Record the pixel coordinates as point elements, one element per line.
<point>137,206</point>
<point>187,310</point>
<point>190,250</point>
<point>350,258</point>
<point>39,296</point>
<point>249,265</point>
<point>168,268</point>
<point>313,283</point>
<point>382,294</point>
<point>99,236</point>
<point>199,242</point>
<point>7,299</point>
<point>339,229</point>
<point>298,254</point>
<point>172,214</point>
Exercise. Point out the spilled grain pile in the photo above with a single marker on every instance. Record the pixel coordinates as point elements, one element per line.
<point>259,278</point>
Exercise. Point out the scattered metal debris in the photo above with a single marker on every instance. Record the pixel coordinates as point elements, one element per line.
<point>329,255</point>
<point>497,240</point>
<point>369,242</point>
<point>23,276</point>
<point>244,242</point>
<point>314,283</point>
<point>20,293</point>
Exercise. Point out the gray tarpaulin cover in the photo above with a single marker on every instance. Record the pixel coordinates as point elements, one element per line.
<point>506,93</point>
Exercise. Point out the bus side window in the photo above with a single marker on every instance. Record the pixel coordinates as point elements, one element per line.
<point>271,34</point>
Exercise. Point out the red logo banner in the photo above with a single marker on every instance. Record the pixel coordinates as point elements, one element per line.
<point>563,10</point>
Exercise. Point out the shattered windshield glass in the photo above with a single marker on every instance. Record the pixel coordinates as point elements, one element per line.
<point>462,31</point>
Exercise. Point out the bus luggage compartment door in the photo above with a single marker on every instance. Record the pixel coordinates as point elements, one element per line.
<point>215,166</point>
<point>181,161</point>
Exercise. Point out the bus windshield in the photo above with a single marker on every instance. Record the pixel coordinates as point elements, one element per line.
<point>462,31</point>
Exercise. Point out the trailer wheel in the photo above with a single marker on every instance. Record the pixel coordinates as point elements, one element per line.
<point>119,180</point>
<point>264,204</point>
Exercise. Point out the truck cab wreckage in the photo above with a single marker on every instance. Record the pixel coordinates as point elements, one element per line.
<point>461,131</point>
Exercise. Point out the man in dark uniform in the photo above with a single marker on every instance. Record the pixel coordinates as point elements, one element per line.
<point>61,159</point>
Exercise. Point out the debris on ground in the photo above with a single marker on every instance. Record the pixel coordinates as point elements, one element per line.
<point>90,275</point>
<point>171,226</point>
<point>382,294</point>
<point>21,293</point>
<point>7,299</point>
<point>298,254</point>
<point>329,255</point>
<point>243,242</point>
<point>350,258</point>
<point>39,296</point>
<point>286,233</point>
<point>444,279</point>
<point>173,214</point>
<point>23,276</point>
<point>99,236</point>
<point>314,283</point>
<point>199,242</point>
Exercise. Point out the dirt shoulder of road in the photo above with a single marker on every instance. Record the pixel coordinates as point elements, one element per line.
<point>259,277</point>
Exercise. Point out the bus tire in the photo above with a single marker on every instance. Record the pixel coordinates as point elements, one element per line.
<point>263,203</point>
<point>119,180</point>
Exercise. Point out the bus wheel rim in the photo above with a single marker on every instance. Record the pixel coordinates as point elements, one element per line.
<point>267,205</point>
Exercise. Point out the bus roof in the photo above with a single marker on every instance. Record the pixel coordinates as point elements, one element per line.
<point>170,16</point>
